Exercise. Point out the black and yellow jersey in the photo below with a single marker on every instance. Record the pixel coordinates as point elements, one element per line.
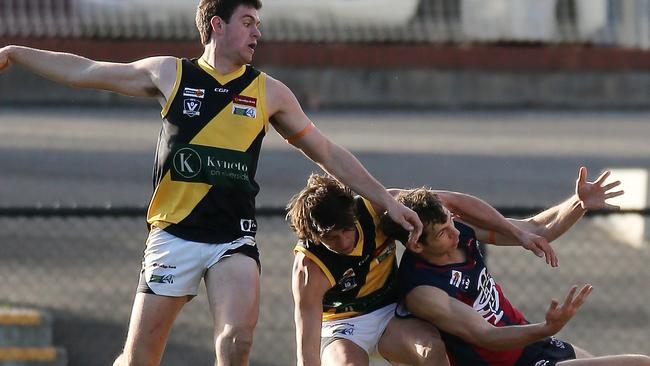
<point>364,280</point>
<point>207,154</point>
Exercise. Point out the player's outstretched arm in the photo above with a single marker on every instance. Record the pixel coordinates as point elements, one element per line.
<point>452,316</point>
<point>150,77</point>
<point>308,284</point>
<point>555,221</point>
<point>291,122</point>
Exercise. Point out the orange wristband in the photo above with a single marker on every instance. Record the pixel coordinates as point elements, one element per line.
<point>492,237</point>
<point>291,139</point>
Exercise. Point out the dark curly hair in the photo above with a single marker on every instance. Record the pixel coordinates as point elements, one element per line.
<point>221,8</point>
<point>425,203</point>
<point>322,206</point>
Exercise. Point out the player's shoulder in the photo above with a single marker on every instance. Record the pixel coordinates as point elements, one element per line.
<point>164,67</point>
<point>276,87</point>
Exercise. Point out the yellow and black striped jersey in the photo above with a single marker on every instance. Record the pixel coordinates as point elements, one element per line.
<point>364,280</point>
<point>207,154</point>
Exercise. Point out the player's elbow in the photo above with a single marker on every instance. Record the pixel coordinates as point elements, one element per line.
<point>485,337</point>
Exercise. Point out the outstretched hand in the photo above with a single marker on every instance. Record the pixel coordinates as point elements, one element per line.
<point>408,219</point>
<point>557,316</point>
<point>540,246</point>
<point>4,58</point>
<point>594,195</point>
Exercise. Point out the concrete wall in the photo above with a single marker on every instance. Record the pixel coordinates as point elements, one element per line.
<point>400,88</point>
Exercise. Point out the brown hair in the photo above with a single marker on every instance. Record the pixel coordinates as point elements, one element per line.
<point>425,203</point>
<point>322,206</point>
<point>220,8</point>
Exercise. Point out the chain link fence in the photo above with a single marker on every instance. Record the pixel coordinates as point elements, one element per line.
<point>83,267</point>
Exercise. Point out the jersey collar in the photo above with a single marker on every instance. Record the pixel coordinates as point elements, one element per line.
<point>221,78</point>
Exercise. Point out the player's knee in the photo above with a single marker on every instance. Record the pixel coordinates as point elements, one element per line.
<point>432,352</point>
<point>235,340</point>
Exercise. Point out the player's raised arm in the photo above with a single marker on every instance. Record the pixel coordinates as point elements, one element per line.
<point>150,77</point>
<point>291,122</point>
<point>555,221</point>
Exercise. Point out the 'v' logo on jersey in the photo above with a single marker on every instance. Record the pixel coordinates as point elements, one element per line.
<point>191,107</point>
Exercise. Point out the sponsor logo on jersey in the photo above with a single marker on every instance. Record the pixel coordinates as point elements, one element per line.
<point>192,107</point>
<point>348,280</point>
<point>168,278</point>
<point>487,301</point>
<point>464,283</point>
<point>385,250</point>
<point>187,162</point>
<point>341,328</point>
<point>248,225</point>
<point>244,106</point>
<point>194,93</point>
<point>456,277</point>
<point>557,343</point>
<point>221,90</point>
<point>542,363</point>
<point>210,165</point>
<point>162,265</point>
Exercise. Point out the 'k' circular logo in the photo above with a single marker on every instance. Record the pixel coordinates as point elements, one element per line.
<point>187,162</point>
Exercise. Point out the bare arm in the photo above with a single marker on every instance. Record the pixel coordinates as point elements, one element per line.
<point>291,122</point>
<point>555,221</point>
<point>309,284</point>
<point>478,213</point>
<point>457,318</point>
<point>150,77</point>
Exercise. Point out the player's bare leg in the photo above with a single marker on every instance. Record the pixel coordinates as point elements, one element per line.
<point>412,342</point>
<point>151,320</point>
<point>584,358</point>
<point>233,292</point>
<point>344,352</point>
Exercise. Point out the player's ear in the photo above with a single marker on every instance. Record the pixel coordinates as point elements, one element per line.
<point>414,247</point>
<point>217,24</point>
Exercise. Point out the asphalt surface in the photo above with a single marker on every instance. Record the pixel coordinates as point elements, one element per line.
<point>93,156</point>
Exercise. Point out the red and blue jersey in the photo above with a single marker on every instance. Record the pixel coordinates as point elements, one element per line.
<point>471,283</point>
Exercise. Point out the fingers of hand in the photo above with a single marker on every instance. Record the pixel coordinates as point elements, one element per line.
<point>554,305</point>
<point>582,295</point>
<point>614,194</point>
<point>413,237</point>
<point>612,207</point>
<point>609,186</point>
<point>551,257</point>
<point>569,297</point>
<point>603,177</point>
<point>406,224</point>
<point>582,174</point>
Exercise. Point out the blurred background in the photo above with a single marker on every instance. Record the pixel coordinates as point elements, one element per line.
<point>503,99</point>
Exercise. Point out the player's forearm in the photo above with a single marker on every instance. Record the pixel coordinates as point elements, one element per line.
<point>63,68</point>
<point>517,336</point>
<point>341,164</point>
<point>556,220</point>
<point>308,338</point>
<point>479,213</point>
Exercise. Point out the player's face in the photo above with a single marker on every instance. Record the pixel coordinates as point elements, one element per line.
<point>441,238</point>
<point>340,241</point>
<point>242,33</point>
